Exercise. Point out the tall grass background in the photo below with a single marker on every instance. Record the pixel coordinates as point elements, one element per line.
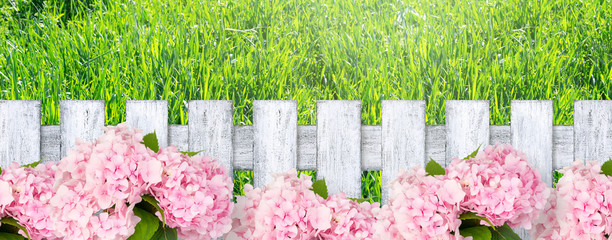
<point>306,50</point>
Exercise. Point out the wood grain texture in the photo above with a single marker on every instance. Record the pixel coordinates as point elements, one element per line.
<point>50,139</point>
<point>339,146</point>
<point>467,127</point>
<point>435,143</point>
<point>307,147</point>
<point>210,130</point>
<point>500,134</point>
<point>563,146</point>
<point>593,130</point>
<point>149,116</point>
<point>83,119</point>
<point>403,139</point>
<point>178,135</point>
<point>274,139</point>
<point>532,134</point>
<point>243,147</point>
<point>371,148</point>
<point>19,132</point>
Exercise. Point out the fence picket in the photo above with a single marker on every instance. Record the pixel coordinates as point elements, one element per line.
<point>403,139</point>
<point>211,128</point>
<point>593,130</point>
<point>532,133</point>
<point>274,139</point>
<point>149,116</point>
<point>467,127</point>
<point>19,132</point>
<point>82,119</point>
<point>338,146</point>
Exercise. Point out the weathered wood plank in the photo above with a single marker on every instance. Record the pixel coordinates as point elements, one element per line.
<point>435,143</point>
<point>149,116</point>
<point>83,119</point>
<point>403,139</point>
<point>243,147</point>
<point>500,134</point>
<point>339,146</point>
<point>307,147</point>
<point>563,146</point>
<point>593,130</point>
<point>210,130</point>
<point>467,127</point>
<point>178,135</point>
<point>371,149</point>
<point>532,133</point>
<point>19,132</point>
<point>50,139</point>
<point>274,139</point>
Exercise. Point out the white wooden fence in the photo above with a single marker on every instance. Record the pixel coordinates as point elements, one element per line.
<point>339,147</point>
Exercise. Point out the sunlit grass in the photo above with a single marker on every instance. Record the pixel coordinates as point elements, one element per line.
<point>305,50</point>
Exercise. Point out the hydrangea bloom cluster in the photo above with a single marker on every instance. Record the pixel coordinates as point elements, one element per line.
<point>96,176</point>
<point>285,209</point>
<point>25,194</point>
<point>421,207</point>
<point>500,185</point>
<point>580,207</point>
<point>350,219</point>
<point>98,183</point>
<point>195,194</point>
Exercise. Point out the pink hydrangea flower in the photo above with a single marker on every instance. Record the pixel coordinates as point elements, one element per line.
<point>285,209</point>
<point>350,220</point>
<point>416,209</point>
<point>580,207</point>
<point>194,192</point>
<point>30,189</point>
<point>500,185</point>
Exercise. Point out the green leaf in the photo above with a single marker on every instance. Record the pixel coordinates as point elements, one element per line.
<point>191,154</point>
<point>0,170</point>
<point>32,165</point>
<point>319,187</point>
<point>165,233</point>
<point>473,154</point>
<point>504,233</point>
<point>146,228</point>
<point>10,236</point>
<point>433,168</point>
<point>150,141</point>
<point>474,216</point>
<point>12,222</point>
<point>477,233</point>
<point>152,201</point>
<point>606,168</point>
<point>359,200</point>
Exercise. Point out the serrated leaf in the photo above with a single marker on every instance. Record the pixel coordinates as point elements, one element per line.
<point>477,233</point>
<point>150,141</point>
<point>473,154</point>
<point>12,222</point>
<point>146,228</point>
<point>433,168</point>
<point>606,168</point>
<point>319,187</point>
<point>165,233</point>
<point>474,216</point>
<point>504,233</point>
<point>191,154</point>
<point>32,165</point>
<point>153,202</point>
<point>10,236</point>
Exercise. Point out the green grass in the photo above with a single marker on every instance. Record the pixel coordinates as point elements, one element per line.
<point>305,50</point>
